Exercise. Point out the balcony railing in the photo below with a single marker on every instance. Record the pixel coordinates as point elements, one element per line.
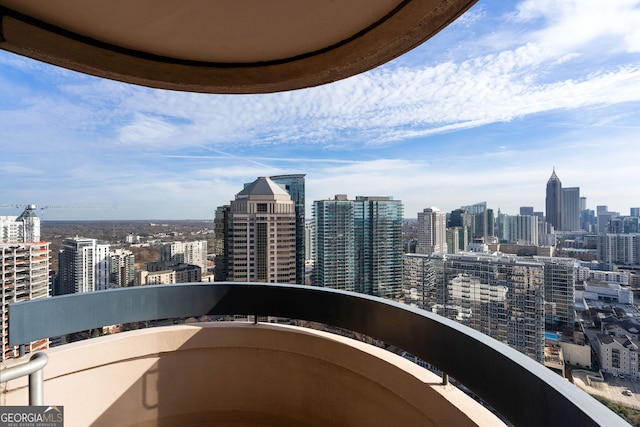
<point>523,391</point>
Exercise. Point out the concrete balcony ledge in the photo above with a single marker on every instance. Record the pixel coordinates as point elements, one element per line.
<point>520,389</point>
<point>233,373</point>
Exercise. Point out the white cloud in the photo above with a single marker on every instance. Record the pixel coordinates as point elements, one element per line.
<point>575,23</point>
<point>574,61</point>
<point>146,130</point>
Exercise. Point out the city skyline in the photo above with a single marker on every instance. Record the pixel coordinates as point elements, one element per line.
<point>481,112</point>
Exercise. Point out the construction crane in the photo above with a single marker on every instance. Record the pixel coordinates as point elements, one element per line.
<point>33,207</point>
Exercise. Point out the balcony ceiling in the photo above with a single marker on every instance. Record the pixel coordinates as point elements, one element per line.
<point>234,46</point>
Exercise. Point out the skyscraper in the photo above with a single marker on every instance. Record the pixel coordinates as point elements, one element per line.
<point>359,245</point>
<point>483,221</point>
<point>519,229</point>
<point>83,266</point>
<point>553,201</point>
<point>221,235</point>
<point>570,216</point>
<point>261,234</point>
<point>336,263</point>
<point>294,185</point>
<point>432,231</point>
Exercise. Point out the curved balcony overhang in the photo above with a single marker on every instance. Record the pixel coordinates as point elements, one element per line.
<point>243,46</point>
<point>523,391</point>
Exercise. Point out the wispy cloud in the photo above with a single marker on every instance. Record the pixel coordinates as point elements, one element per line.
<point>481,111</point>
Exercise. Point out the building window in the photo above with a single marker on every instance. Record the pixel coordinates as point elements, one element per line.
<point>615,358</point>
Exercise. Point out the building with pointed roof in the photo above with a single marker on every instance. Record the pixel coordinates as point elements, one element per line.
<point>261,234</point>
<point>553,201</point>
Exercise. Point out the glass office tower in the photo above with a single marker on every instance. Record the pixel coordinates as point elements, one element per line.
<point>359,245</point>
<point>294,185</point>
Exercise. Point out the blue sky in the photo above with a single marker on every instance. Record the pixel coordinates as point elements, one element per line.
<point>481,112</point>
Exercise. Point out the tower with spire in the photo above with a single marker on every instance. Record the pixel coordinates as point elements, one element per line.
<point>553,201</point>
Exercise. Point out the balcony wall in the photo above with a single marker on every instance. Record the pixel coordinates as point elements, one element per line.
<point>243,374</point>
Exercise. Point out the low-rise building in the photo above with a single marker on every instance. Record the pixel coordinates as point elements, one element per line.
<point>620,328</point>
<point>165,277</point>
<point>617,277</point>
<point>183,272</point>
<point>619,355</point>
<point>607,292</point>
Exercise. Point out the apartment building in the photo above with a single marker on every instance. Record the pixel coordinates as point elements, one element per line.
<point>500,296</point>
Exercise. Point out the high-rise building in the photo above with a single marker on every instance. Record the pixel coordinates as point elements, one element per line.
<point>613,249</point>
<point>519,229</point>
<point>559,291</point>
<point>463,220</point>
<point>262,234</point>
<point>359,245</point>
<point>634,212</point>
<point>122,268</point>
<point>603,220</point>
<point>24,273</point>
<point>502,297</point>
<point>83,266</point>
<point>546,234</point>
<point>194,252</point>
<point>309,238</point>
<point>432,231</point>
<point>221,235</point>
<point>457,239</point>
<point>526,230</point>
<point>336,263</point>
<point>24,270</point>
<point>23,228</point>
<point>553,201</point>
<point>482,225</point>
<point>294,185</point>
<point>588,220</point>
<point>526,210</point>
<point>570,216</point>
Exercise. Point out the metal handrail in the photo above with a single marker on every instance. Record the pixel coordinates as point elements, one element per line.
<point>34,368</point>
<point>519,388</point>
